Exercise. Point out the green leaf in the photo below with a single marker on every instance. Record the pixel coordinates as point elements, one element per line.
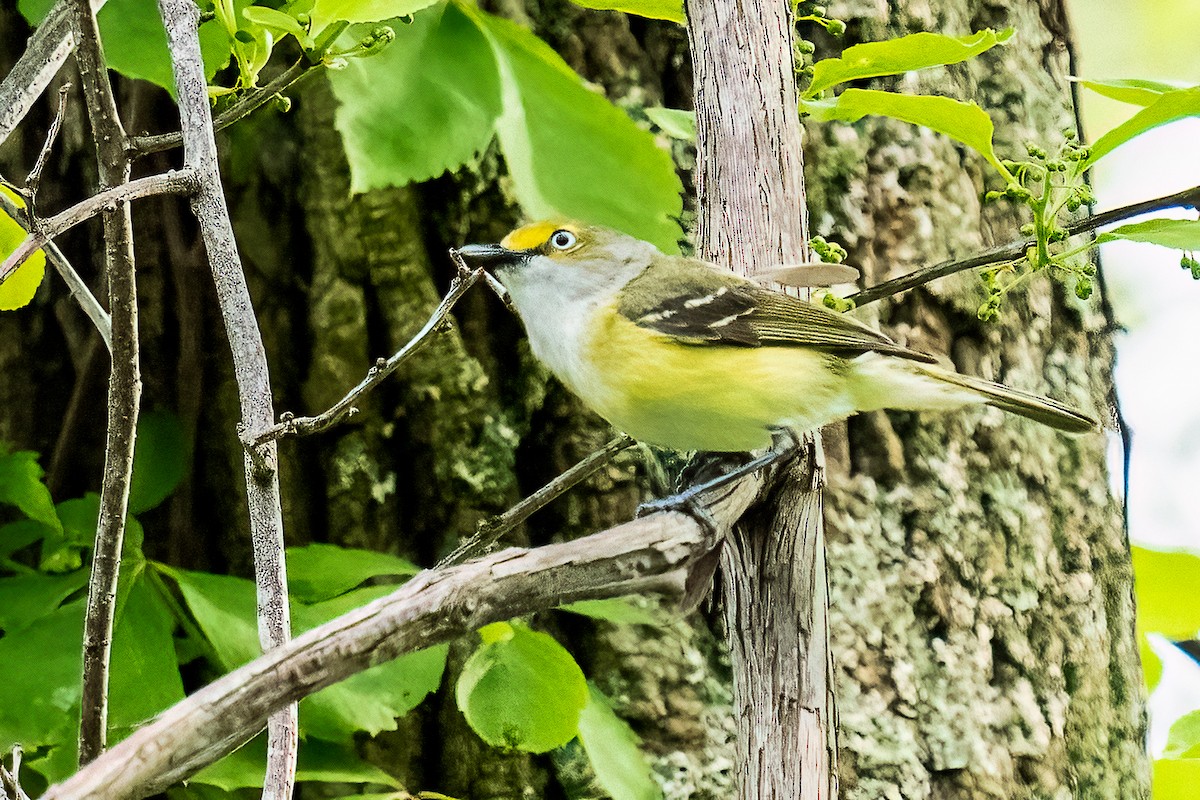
<point>21,486</point>
<point>521,689</point>
<point>316,761</point>
<point>160,460</point>
<point>145,676</point>
<point>1152,667</point>
<point>39,695</point>
<point>1171,106</point>
<point>906,54</point>
<point>27,598</point>
<point>439,111</point>
<point>671,10</point>
<point>612,747</point>
<point>966,123</point>
<point>22,533</point>
<point>1179,234</point>
<point>19,288</point>
<point>1165,582</point>
<point>135,43</point>
<point>570,152</point>
<point>372,700</point>
<point>1175,779</point>
<point>674,122</point>
<point>279,21</point>
<point>327,11</point>
<point>619,610</point>
<point>224,607</point>
<point>1135,91</point>
<point>321,571</point>
<point>1184,739</point>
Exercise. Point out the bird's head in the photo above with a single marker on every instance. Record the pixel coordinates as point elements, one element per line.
<point>569,257</point>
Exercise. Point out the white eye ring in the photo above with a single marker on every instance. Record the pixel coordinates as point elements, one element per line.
<point>562,240</point>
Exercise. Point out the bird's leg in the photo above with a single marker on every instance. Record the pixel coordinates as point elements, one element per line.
<point>783,443</point>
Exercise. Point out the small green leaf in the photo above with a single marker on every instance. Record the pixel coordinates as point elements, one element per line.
<point>145,676</point>
<point>523,692</point>
<point>570,152</point>
<point>1152,667</point>
<point>19,288</point>
<point>618,610</point>
<point>1165,582</point>
<point>21,486</point>
<point>1179,234</point>
<point>966,123</point>
<point>27,598</point>
<point>439,111</point>
<point>906,54</point>
<point>327,11</point>
<point>613,748</point>
<point>1171,106</point>
<point>22,533</point>
<point>671,10</point>
<point>321,571</point>
<point>279,21</point>
<point>1135,91</point>
<point>1175,778</point>
<point>1184,739</point>
<point>674,122</point>
<point>224,607</point>
<point>160,460</point>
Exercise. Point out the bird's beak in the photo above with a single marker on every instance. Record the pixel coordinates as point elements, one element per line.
<point>493,255</point>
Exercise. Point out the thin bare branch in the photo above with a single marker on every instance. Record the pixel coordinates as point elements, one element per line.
<point>47,51</point>
<point>491,530</point>
<point>183,182</point>
<point>34,179</point>
<point>344,408</point>
<point>1188,198</point>
<point>124,385</point>
<point>659,554</point>
<point>10,780</point>
<point>79,290</point>
<point>181,18</point>
<point>251,101</point>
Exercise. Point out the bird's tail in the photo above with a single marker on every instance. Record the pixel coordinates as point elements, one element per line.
<point>1032,406</point>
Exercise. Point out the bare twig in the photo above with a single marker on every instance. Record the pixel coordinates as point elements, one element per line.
<point>182,181</point>
<point>44,56</point>
<point>181,18</point>
<point>252,100</point>
<point>124,386</point>
<point>658,554</point>
<point>1188,198</point>
<point>34,179</point>
<point>79,290</point>
<point>491,530</point>
<point>10,780</point>
<point>303,426</point>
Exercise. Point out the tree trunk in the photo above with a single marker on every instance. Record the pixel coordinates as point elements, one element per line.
<point>981,618</point>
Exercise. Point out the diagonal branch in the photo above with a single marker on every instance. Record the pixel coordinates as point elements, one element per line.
<point>1188,198</point>
<point>658,554</point>
<point>344,408</point>
<point>181,18</point>
<point>182,181</point>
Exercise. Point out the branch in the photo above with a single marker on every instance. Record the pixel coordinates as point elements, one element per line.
<point>657,554</point>
<point>79,290</point>
<point>33,180</point>
<point>10,780</point>
<point>181,18</point>
<point>124,385</point>
<point>303,426</point>
<point>145,145</point>
<point>1188,198</point>
<point>44,56</point>
<point>490,531</point>
<point>182,182</point>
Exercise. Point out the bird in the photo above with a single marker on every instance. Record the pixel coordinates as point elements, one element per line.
<point>686,355</point>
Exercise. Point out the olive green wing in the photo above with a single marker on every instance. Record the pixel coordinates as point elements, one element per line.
<point>699,304</point>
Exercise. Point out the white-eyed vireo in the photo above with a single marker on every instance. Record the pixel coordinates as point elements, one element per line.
<point>684,354</point>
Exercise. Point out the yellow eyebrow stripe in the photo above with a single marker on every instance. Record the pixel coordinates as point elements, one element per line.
<point>529,236</point>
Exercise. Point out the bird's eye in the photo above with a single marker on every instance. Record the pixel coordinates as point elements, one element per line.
<point>562,240</point>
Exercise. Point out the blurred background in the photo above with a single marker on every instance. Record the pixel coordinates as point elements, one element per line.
<point>1157,302</point>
